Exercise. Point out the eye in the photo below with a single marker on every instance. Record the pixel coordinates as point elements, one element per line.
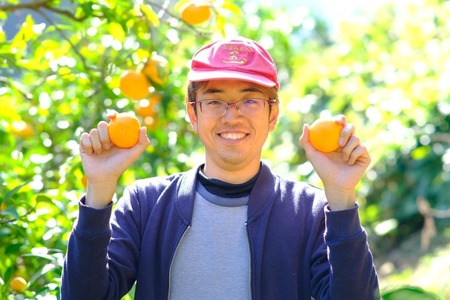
<point>250,101</point>
<point>213,102</point>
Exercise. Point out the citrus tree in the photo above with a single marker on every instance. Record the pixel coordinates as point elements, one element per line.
<point>63,65</point>
<point>387,71</point>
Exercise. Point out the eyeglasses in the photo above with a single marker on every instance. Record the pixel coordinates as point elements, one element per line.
<point>246,107</point>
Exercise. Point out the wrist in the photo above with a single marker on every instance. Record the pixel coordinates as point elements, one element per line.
<point>339,199</point>
<point>100,195</point>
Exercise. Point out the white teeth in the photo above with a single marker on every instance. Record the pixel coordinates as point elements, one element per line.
<point>232,135</point>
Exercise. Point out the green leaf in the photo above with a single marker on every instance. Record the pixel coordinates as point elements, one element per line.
<point>409,293</point>
<point>420,152</point>
<point>13,248</point>
<point>44,199</point>
<point>180,4</point>
<point>24,35</point>
<point>87,8</point>
<point>8,274</point>
<point>12,212</point>
<point>14,190</point>
<point>232,8</point>
<point>150,14</point>
<point>116,30</point>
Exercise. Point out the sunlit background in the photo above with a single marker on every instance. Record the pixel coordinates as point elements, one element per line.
<point>384,64</point>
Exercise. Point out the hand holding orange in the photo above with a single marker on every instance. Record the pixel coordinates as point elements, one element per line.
<point>324,134</point>
<point>123,129</point>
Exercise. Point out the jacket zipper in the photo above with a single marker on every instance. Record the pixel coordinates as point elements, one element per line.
<point>173,256</point>
<point>249,261</point>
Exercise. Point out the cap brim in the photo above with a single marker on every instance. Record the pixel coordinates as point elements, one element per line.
<point>227,75</point>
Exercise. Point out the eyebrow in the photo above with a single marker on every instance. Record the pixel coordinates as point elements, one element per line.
<point>219,91</point>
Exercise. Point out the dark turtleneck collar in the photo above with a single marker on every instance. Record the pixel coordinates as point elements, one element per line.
<point>224,189</point>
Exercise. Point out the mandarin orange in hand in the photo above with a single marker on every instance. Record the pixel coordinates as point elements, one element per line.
<point>124,129</point>
<point>324,134</point>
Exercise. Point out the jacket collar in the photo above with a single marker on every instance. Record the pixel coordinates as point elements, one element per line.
<point>262,195</point>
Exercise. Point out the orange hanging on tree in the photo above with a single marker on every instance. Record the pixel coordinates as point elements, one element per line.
<point>195,12</point>
<point>18,284</point>
<point>22,129</point>
<point>134,85</point>
<point>146,108</point>
<point>156,69</point>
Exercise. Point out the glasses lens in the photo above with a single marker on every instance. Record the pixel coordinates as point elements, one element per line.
<point>213,108</point>
<point>217,108</point>
<point>250,107</point>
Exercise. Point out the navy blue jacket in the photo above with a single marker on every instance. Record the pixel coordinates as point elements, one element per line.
<point>299,249</point>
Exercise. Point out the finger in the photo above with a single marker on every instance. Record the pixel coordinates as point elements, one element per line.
<point>85,144</point>
<point>304,141</point>
<point>360,155</point>
<point>341,119</point>
<point>141,145</point>
<point>346,133</point>
<point>111,113</point>
<point>143,138</point>
<point>304,138</point>
<point>105,141</point>
<point>350,147</point>
<point>95,140</point>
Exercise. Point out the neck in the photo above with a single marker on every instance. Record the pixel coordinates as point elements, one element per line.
<point>231,175</point>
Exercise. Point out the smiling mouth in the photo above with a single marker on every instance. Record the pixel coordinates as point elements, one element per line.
<point>232,135</point>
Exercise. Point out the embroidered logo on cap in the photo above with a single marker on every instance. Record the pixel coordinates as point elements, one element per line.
<point>236,57</point>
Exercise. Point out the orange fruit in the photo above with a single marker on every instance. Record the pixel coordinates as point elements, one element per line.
<point>146,108</point>
<point>3,206</point>
<point>156,69</point>
<point>324,135</point>
<point>18,284</point>
<point>124,130</point>
<point>134,85</point>
<point>195,13</point>
<point>22,129</point>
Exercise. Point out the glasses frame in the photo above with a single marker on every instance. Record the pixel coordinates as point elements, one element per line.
<point>228,104</point>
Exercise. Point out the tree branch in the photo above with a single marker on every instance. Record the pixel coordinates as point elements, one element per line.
<point>37,5</point>
<point>65,13</point>
<point>28,5</point>
<point>50,21</point>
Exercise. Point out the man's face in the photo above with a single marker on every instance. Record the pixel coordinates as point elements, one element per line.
<point>233,141</point>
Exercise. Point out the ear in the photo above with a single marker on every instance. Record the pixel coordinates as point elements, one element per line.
<point>273,117</point>
<point>192,116</point>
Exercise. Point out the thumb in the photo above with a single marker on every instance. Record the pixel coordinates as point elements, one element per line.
<point>111,114</point>
<point>144,141</point>
<point>304,141</point>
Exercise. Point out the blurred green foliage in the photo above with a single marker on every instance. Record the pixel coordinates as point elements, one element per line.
<point>387,71</point>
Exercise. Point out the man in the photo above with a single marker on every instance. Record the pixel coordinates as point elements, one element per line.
<point>229,228</point>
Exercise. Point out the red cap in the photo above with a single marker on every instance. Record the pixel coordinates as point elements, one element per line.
<point>234,58</point>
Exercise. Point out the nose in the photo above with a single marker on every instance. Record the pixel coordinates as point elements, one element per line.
<point>235,104</point>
